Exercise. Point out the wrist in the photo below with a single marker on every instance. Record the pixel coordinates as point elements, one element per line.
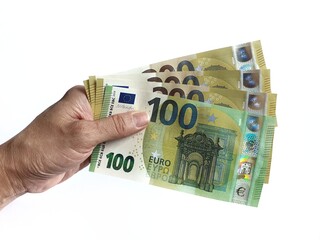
<point>10,184</point>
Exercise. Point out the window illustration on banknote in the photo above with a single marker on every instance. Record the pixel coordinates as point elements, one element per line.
<point>202,162</point>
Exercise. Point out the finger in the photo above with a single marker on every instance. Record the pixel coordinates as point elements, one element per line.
<point>117,126</point>
<point>75,90</point>
<point>77,98</point>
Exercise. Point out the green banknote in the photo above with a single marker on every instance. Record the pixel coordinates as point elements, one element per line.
<point>246,56</point>
<point>189,146</point>
<point>255,102</point>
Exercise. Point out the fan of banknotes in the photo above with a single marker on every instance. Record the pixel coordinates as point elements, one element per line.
<point>212,121</point>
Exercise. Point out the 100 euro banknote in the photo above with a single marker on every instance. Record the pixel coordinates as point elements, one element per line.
<point>257,103</point>
<point>252,80</point>
<point>189,146</point>
<point>245,56</point>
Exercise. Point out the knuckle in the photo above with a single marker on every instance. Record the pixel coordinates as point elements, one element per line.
<point>79,134</point>
<point>76,129</point>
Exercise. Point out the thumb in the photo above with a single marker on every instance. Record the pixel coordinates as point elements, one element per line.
<point>118,126</point>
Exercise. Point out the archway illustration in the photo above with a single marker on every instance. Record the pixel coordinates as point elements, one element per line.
<point>195,161</point>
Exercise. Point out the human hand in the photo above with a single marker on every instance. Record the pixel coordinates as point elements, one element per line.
<point>58,143</point>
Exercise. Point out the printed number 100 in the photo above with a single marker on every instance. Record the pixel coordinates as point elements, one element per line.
<point>118,161</point>
<point>174,114</point>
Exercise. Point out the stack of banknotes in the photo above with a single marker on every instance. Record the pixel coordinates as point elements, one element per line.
<point>212,121</point>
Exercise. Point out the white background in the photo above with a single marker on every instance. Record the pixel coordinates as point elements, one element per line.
<point>46,47</point>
